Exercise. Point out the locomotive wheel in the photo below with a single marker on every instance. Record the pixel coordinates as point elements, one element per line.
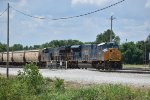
<point>120,66</point>
<point>108,66</point>
<point>103,66</point>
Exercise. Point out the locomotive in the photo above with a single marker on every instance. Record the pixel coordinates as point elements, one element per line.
<point>100,56</point>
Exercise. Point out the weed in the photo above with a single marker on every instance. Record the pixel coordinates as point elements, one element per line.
<point>59,84</point>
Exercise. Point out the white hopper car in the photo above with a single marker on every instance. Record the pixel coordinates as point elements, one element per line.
<point>17,58</point>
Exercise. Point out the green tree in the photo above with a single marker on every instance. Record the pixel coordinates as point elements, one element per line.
<point>58,43</point>
<point>3,47</point>
<point>132,53</point>
<point>147,43</point>
<point>30,47</point>
<point>26,48</point>
<point>117,40</point>
<point>105,37</point>
<point>89,42</point>
<point>16,47</point>
<point>36,46</point>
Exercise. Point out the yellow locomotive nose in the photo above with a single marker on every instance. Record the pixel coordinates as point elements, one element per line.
<point>112,54</point>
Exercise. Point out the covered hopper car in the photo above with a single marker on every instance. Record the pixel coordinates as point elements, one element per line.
<point>18,58</point>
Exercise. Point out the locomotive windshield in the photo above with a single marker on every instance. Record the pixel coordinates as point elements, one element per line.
<point>112,45</point>
<point>45,50</point>
<point>108,45</point>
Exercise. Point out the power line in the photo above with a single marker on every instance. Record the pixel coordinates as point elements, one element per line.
<point>70,16</point>
<point>3,12</point>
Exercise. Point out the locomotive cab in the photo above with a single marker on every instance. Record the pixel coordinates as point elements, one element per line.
<point>45,50</point>
<point>45,54</point>
<point>109,55</point>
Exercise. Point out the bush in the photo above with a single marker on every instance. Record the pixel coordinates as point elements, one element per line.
<point>25,86</point>
<point>12,89</point>
<point>31,78</point>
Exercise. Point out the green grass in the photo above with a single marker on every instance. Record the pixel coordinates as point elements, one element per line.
<point>136,66</point>
<point>13,89</point>
<point>30,85</point>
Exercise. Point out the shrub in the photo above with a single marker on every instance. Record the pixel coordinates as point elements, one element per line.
<point>31,78</point>
<point>12,89</point>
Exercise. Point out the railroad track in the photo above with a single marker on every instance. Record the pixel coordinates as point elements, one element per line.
<point>124,70</point>
<point>127,71</point>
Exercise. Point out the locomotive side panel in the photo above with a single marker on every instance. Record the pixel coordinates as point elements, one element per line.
<point>62,52</point>
<point>56,54</point>
<point>86,52</point>
<point>89,52</point>
<point>76,52</point>
<point>51,53</point>
<point>93,55</point>
<point>45,55</point>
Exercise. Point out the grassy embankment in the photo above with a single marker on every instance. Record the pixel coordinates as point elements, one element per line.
<point>30,85</point>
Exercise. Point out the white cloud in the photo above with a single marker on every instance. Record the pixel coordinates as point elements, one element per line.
<point>132,30</point>
<point>92,2</point>
<point>23,3</point>
<point>147,5</point>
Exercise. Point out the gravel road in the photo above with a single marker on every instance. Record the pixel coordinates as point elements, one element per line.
<point>89,76</point>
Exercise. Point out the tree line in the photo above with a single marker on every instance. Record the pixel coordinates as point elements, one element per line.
<point>132,53</point>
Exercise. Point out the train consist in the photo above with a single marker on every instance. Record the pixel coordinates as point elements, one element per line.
<point>99,56</point>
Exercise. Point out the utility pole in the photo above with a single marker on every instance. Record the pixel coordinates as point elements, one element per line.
<point>112,18</point>
<point>8,42</point>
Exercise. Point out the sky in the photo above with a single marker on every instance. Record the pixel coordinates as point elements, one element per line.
<point>132,21</point>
